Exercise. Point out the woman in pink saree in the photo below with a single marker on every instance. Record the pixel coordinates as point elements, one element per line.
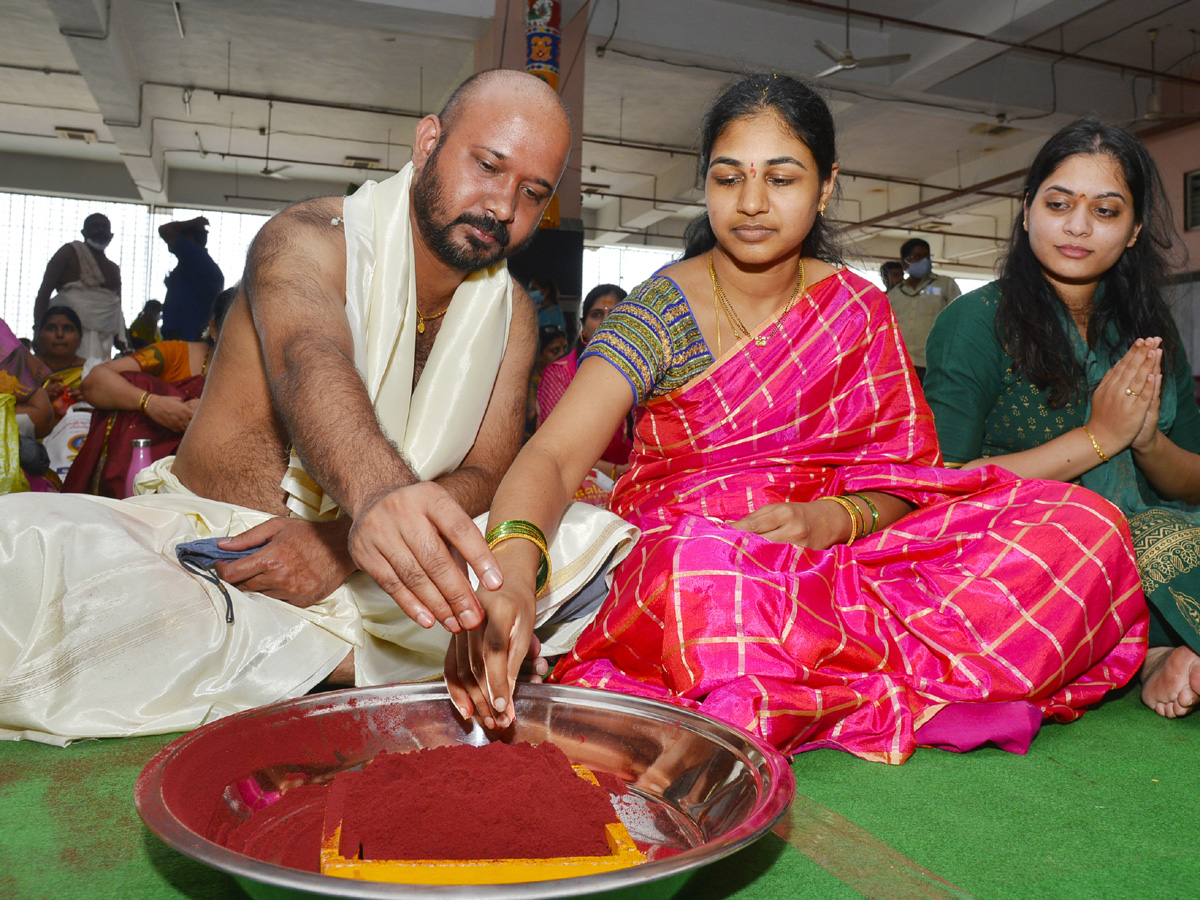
<point>806,570</point>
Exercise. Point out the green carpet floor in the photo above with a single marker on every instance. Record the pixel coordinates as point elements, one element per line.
<point>1105,807</point>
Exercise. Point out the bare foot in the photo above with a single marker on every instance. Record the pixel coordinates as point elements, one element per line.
<point>1171,680</point>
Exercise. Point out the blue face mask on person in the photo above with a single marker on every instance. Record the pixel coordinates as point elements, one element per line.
<point>919,269</point>
<point>537,296</point>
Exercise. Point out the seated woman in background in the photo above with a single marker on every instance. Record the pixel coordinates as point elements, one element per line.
<point>144,330</point>
<point>22,459</point>
<point>59,336</point>
<point>598,303</point>
<point>1070,367</point>
<point>152,393</point>
<point>806,568</point>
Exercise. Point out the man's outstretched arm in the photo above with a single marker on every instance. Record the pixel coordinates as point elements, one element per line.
<point>295,277</point>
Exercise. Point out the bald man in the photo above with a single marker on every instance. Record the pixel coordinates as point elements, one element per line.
<point>366,397</point>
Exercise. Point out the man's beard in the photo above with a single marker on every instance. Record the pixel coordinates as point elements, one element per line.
<point>429,203</point>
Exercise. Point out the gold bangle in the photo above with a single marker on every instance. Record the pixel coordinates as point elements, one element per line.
<point>1095,444</point>
<point>143,402</point>
<point>874,512</point>
<point>854,514</point>
<point>520,528</point>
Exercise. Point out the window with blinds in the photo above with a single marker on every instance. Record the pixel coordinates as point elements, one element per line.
<point>1191,201</point>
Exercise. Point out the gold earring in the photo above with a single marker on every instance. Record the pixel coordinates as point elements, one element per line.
<point>1025,224</point>
<point>821,208</point>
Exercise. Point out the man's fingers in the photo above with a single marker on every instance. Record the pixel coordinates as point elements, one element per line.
<point>238,571</point>
<point>460,533</point>
<point>385,575</point>
<point>255,536</point>
<point>438,580</point>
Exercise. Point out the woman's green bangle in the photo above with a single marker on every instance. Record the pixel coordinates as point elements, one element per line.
<point>520,528</point>
<point>874,512</point>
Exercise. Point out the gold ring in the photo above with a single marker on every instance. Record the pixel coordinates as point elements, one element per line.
<point>1130,393</point>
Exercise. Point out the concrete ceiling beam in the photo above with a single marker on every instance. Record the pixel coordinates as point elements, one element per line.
<point>941,56</point>
<point>94,34</point>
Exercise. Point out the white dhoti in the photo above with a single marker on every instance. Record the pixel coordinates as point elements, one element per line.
<point>103,633</point>
<point>98,307</point>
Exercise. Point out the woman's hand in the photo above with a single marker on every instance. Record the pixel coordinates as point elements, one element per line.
<point>171,412</point>
<point>1121,402</point>
<point>54,388</point>
<point>1147,438</point>
<point>817,525</point>
<point>482,664</point>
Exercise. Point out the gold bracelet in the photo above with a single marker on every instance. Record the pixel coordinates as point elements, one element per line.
<point>143,402</point>
<point>1095,444</point>
<point>874,512</point>
<point>520,528</point>
<point>854,514</point>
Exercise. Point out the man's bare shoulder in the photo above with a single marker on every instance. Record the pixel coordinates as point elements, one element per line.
<point>303,243</point>
<point>320,213</point>
<point>316,222</point>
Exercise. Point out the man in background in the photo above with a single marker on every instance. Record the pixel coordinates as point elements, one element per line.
<point>193,284</point>
<point>919,298</point>
<point>80,276</point>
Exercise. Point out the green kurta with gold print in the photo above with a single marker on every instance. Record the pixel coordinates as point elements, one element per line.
<point>982,408</point>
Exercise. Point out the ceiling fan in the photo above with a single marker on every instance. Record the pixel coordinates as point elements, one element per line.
<point>266,169</point>
<point>1154,111</point>
<point>844,60</point>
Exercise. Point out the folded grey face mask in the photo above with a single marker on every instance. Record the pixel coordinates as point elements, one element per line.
<point>200,556</point>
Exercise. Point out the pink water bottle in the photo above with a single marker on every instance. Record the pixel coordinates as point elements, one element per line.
<point>140,459</point>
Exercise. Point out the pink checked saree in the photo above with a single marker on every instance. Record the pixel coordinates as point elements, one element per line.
<point>997,603</point>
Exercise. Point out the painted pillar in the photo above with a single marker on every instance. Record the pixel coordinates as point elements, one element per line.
<point>548,39</point>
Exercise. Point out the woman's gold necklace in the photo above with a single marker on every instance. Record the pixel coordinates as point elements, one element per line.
<point>740,331</point>
<point>422,318</point>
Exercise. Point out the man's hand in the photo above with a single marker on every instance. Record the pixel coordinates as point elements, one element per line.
<point>401,541</point>
<point>302,562</point>
<point>482,665</point>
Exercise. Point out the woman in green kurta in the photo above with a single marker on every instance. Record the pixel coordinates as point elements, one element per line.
<point>1070,367</point>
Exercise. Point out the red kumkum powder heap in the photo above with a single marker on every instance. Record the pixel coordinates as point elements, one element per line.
<point>500,801</point>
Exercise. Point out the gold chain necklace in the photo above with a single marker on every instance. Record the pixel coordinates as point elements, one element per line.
<point>740,330</point>
<point>422,318</point>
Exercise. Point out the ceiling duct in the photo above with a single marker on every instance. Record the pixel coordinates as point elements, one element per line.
<point>362,162</point>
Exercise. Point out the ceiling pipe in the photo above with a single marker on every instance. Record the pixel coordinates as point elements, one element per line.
<point>933,201</point>
<point>906,229</point>
<point>843,10</point>
<point>291,101</point>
